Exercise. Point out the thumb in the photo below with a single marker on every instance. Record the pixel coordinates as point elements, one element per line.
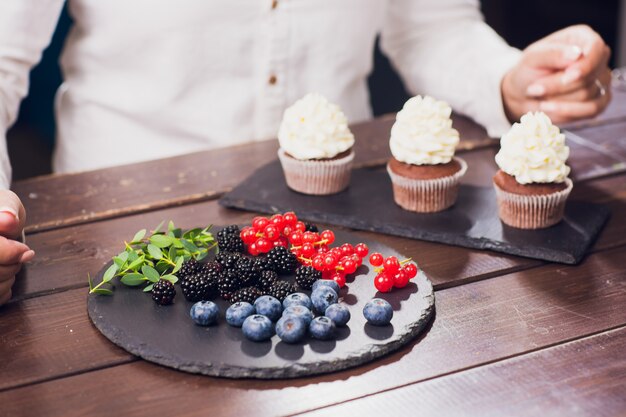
<point>12,214</point>
<point>547,55</point>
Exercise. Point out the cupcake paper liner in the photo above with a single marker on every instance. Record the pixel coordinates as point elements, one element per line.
<point>426,196</point>
<point>532,211</point>
<point>318,177</point>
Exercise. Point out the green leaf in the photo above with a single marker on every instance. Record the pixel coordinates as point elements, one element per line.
<point>139,235</point>
<point>191,233</point>
<point>136,263</point>
<point>172,253</point>
<point>123,256</point>
<point>133,279</point>
<point>118,261</point>
<point>148,288</point>
<point>201,256</point>
<point>158,228</point>
<point>132,255</point>
<point>102,291</point>
<point>162,241</point>
<point>179,264</point>
<point>170,226</point>
<point>189,246</point>
<point>171,278</point>
<point>109,273</point>
<point>150,273</point>
<point>154,251</point>
<point>90,282</point>
<point>177,232</point>
<point>162,266</point>
<point>177,244</point>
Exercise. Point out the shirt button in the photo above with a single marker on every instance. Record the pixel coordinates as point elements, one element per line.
<point>272,80</point>
<point>274,4</point>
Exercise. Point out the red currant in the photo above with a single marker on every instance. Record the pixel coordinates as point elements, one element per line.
<point>330,261</point>
<point>328,236</point>
<point>349,266</point>
<point>295,238</point>
<point>376,259</point>
<point>311,237</point>
<point>248,235</point>
<point>383,282</point>
<point>323,249</point>
<point>259,223</point>
<point>337,252</point>
<point>391,264</point>
<point>281,241</point>
<point>278,220</point>
<point>300,226</point>
<point>400,279</point>
<point>252,249</point>
<point>287,230</point>
<point>290,218</point>
<point>308,249</point>
<point>410,270</point>
<point>346,249</point>
<point>271,232</point>
<point>339,278</point>
<point>361,249</point>
<point>318,262</point>
<point>263,245</point>
<point>357,259</point>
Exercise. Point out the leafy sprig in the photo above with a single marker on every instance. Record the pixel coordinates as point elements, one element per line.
<point>160,255</point>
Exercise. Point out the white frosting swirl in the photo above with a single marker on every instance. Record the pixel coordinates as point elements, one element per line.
<point>314,128</point>
<point>423,133</point>
<point>534,151</point>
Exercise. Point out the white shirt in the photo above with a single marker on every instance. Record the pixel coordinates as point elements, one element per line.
<point>147,79</point>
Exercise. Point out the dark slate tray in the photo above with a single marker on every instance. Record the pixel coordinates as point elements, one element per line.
<point>472,222</point>
<point>167,336</point>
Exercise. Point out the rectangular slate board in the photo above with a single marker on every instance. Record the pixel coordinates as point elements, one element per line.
<point>472,222</point>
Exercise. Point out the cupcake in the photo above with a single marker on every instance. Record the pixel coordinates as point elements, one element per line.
<point>424,172</point>
<point>532,184</point>
<point>315,146</point>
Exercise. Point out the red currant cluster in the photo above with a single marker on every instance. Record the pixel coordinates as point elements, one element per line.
<point>266,233</point>
<point>391,272</point>
<point>335,263</point>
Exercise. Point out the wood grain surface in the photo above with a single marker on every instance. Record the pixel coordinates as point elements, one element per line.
<point>511,336</point>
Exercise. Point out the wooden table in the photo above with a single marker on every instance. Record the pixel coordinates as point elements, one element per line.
<point>511,336</point>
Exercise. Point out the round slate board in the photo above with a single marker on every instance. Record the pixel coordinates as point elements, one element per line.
<point>167,336</point>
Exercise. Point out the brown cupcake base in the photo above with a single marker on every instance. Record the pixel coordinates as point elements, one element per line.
<point>319,176</point>
<point>426,195</point>
<point>525,210</point>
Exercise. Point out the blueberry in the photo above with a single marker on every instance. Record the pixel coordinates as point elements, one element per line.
<point>298,298</point>
<point>257,328</point>
<point>291,329</point>
<point>269,307</point>
<point>299,311</point>
<point>339,314</point>
<point>322,297</point>
<point>204,313</point>
<point>322,328</point>
<point>238,312</point>
<point>325,283</point>
<point>378,312</point>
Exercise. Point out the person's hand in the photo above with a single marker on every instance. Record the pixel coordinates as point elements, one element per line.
<point>12,253</point>
<point>565,75</point>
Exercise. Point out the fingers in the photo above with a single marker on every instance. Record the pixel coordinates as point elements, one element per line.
<point>551,55</point>
<point>7,271</point>
<point>562,111</point>
<point>5,296</point>
<point>12,252</point>
<point>12,214</point>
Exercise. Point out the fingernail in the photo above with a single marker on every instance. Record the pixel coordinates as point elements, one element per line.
<point>572,53</point>
<point>9,210</point>
<point>535,90</point>
<point>27,256</point>
<point>547,106</point>
<point>571,74</point>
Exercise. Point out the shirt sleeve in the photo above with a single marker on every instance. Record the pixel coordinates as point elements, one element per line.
<point>443,48</point>
<point>26,28</point>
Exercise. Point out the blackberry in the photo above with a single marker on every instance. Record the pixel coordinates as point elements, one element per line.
<point>228,283</point>
<point>306,276</point>
<point>247,294</point>
<point>212,266</point>
<point>266,280</point>
<point>281,289</point>
<point>201,286</point>
<point>283,261</point>
<point>228,239</point>
<point>163,292</point>
<point>310,227</point>
<point>246,271</point>
<point>263,264</point>
<point>227,259</point>
<point>188,269</point>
